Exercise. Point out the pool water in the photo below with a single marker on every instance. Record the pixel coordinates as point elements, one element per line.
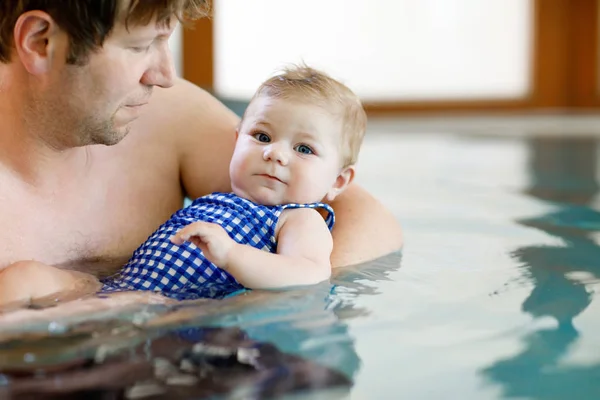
<point>495,296</point>
<point>492,296</point>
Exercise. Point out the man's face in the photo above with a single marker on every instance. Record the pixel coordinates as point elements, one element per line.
<point>97,102</point>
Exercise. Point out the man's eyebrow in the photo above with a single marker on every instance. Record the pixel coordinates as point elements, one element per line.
<point>144,37</point>
<point>151,36</point>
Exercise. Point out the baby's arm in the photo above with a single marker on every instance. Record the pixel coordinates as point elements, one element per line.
<point>303,251</point>
<point>24,281</point>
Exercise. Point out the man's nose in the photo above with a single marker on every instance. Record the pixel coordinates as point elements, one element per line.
<point>162,70</point>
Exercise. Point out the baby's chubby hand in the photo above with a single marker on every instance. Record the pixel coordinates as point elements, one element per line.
<point>211,238</point>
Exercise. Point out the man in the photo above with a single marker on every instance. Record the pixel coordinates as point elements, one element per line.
<point>99,140</point>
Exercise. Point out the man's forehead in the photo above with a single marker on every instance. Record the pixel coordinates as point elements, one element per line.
<point>131,15</point>
<point>150,29</point>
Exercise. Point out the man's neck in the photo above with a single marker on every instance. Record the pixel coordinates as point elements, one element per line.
<point>32,161</point>
<point>26,153</point>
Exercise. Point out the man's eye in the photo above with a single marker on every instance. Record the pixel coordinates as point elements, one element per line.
<point>304,149</point>
<point>262,137</point>
<point>142,49</point>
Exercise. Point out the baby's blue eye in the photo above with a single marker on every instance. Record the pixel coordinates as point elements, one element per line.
<point>262,137</point>
<point>304,149</point>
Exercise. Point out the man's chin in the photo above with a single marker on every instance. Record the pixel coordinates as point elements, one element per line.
<point>111,137</point>
<point>118,135</point>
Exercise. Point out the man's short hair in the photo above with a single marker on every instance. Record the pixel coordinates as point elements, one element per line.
<point>89,22</point>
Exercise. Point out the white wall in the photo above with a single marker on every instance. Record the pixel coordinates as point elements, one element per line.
<point>383,49</point>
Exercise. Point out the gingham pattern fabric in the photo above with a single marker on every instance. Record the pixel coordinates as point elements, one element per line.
<point>183,271</point>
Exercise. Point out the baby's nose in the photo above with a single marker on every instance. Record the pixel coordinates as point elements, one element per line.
<point>277,154</point>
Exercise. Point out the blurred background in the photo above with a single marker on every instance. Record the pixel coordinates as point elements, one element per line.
<point>406,56</point>
<point>483,141</point>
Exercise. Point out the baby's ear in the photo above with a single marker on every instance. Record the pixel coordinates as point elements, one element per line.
<point>342,181</point>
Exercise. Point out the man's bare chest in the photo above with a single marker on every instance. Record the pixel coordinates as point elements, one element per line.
<point>93,227</point>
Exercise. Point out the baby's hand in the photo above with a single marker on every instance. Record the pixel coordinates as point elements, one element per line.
<point>211,238</point>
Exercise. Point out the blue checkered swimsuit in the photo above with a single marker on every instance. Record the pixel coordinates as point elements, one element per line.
<point>182,271</point>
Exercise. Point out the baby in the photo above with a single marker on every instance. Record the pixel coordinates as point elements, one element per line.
<point>296,148</point>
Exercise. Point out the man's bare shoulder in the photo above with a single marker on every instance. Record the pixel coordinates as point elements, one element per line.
<point>185,107</point>
<point>198,128</point>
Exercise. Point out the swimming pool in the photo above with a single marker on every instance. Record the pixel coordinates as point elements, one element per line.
<point>495,295</point>
<point>492,296</point>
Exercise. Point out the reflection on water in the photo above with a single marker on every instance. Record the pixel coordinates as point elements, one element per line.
<point>312,321</point>
<point>105,347</point>
<point>158,364</point>
<point>563,171</point>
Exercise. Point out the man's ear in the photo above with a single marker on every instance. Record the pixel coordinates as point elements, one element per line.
<point>342,181</point>
<point>37,41</point>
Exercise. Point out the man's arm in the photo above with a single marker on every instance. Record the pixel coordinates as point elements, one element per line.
<point>364,228</point>
<point>25,281</point>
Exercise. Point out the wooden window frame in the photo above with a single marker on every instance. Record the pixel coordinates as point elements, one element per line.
<point>564,65</point>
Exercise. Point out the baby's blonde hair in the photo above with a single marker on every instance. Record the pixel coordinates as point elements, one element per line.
<point>305,83</point>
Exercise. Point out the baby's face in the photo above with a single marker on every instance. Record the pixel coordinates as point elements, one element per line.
<point>288,152</point>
